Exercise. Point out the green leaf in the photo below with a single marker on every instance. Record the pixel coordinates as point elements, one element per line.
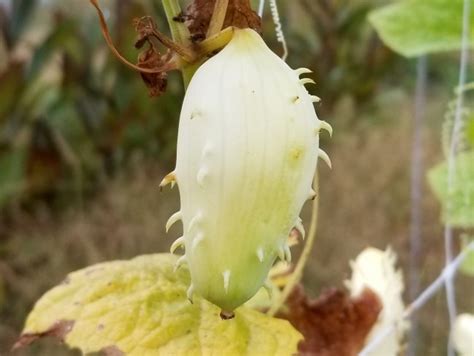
<point>416,27</point>
<point>469,129</point>
<point>467,266</point>
<point>458,204</point>
<point>139,307</point>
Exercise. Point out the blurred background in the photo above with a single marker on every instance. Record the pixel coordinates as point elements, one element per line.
<point>83,148</point>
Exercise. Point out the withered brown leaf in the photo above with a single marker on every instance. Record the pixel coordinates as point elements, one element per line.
<point>197,17</point>
<point>152,66</point>
<point>151,57</point>
<point>333,324</point>
<point>155,82</point>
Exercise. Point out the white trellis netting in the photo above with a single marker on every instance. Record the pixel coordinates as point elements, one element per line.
<point>448,232</point>
<point>278,27</point>
<point>447,275</point>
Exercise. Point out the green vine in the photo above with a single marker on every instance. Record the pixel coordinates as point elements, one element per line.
<point>180,34</point>
<point>218,18</point>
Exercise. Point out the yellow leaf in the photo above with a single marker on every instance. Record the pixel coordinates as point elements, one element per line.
<point>139,307</point>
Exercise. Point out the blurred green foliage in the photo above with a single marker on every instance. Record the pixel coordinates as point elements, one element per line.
<point>458,202</point>
<point>70,113</point>
<point>419,27</point>
<point>334,39</point>
<point>416,27</point>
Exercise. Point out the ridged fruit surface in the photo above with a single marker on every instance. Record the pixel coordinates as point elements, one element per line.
<point>248,144</point>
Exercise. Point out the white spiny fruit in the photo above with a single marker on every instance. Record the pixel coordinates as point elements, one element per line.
<point>247,151</point>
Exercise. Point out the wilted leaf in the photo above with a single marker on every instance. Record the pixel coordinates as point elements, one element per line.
<point>151,57</point>
<point>139,307</point>
<point>417,27</point>
<point>458,204</point>
<point>152,65</point>
<point>334,324</point>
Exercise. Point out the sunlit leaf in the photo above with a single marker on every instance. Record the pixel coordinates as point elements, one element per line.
<point>139,307</point>
<point>458,204</point>
<point>417,27</point>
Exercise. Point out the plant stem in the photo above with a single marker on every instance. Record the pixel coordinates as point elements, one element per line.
<point>180,34</point>
<point>216,38</point>
<point>179,31</point>
<point>298,272</point>
<point>218,18</point>
<point>416,218</point>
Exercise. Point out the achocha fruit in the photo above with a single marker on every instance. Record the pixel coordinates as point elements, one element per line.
<point>248,145</point>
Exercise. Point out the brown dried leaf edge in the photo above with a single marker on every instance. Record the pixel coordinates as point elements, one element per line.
<point>333,324</point>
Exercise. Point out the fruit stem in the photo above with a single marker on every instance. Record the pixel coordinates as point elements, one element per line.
<point>215,42</point>
<point>296,276</point>
<point>179,33</point>
<point>225,315</point>
<point>218,18</point>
